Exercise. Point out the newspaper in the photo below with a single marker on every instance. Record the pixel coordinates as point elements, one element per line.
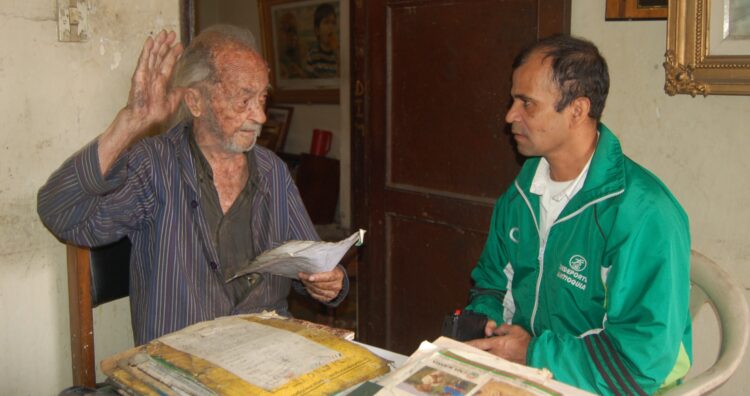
<point>301,256</point>
<point>449,367</point>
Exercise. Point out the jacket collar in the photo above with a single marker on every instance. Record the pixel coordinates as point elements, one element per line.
<point>607,172</point>
<point>606,175</point>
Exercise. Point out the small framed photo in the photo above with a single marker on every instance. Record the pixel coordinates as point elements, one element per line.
<point>273,134</point>
<point>301,45</point>
<point>618,10</point>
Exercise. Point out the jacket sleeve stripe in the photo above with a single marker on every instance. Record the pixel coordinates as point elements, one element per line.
<point>603,352</point>
<point>621,366</point>
<point>606,356</point>
<point>596,360</point>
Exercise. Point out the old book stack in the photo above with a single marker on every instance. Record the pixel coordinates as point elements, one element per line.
<point>245,355</point>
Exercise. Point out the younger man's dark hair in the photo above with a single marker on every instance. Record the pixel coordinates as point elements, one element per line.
<point>578,69</point>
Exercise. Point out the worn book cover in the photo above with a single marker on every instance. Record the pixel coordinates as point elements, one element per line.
<point>247,354</point>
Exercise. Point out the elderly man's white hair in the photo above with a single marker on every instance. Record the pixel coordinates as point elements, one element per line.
<point>196,65</point>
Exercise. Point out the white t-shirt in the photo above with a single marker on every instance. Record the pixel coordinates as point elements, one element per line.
<point>554,195</point>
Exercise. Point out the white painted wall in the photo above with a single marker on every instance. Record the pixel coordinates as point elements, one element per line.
<point>697,146</point>
<point>54,97</point>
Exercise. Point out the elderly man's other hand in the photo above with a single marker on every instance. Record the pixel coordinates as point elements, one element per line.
<point>323,286</point>
<point>507,341</point>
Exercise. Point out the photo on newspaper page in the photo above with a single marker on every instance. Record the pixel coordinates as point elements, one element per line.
<point>433,381</point>
<point>451,368</point>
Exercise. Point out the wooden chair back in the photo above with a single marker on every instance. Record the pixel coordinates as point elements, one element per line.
<point>95,276</point>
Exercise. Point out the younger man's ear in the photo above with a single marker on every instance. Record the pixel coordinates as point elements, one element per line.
<point>580,107</point>
<point>193,101</point>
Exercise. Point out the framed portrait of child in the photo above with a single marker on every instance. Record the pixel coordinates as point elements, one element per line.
<point>301,42</point>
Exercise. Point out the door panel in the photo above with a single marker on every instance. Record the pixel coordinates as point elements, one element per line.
<point>431,152</point>
<point>425,274</point>
<point>445,97</point>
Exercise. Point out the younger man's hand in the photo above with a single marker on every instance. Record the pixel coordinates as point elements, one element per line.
<point>507,341</point>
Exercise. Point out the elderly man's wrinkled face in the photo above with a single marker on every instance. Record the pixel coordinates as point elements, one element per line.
<point>235,110</point>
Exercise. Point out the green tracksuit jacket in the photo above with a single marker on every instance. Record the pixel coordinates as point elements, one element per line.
<point>605,297</point>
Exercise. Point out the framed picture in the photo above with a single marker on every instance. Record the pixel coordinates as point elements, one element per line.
<point>301,45</point>
<point>273,134</point>
<point>708,48</point>
<point>618,10</point>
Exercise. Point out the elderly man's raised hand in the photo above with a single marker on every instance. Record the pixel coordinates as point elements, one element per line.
<point>150,101</point>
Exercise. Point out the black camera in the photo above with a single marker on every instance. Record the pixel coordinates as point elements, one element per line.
<point>464,325</point>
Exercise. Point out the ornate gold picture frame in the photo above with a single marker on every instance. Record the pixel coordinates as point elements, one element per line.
<point>708,47</point>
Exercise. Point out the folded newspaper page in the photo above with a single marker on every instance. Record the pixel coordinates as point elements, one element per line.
<point>449,367</point>
<point>301,256</point>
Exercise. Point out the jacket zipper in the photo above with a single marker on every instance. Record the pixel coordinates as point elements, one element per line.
<point>542,246</point>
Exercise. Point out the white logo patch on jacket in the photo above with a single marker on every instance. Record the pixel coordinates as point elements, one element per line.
<point>571,273</point>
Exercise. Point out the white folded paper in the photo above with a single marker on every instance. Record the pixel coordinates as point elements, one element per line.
<point>301,256</point>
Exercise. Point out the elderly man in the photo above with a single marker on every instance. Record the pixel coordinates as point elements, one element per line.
<point>587,260</point>
<point>197,201</point>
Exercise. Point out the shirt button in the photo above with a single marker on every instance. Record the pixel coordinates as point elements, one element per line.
<point>194,204</point>
<point>213,265</point>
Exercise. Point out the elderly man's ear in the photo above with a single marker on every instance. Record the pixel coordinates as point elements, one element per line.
<point>194,101</point>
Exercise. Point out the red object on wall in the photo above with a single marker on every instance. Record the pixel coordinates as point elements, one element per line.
<point>321,142</point>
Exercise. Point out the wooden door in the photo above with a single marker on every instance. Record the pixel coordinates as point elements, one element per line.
<point>431,150</point>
